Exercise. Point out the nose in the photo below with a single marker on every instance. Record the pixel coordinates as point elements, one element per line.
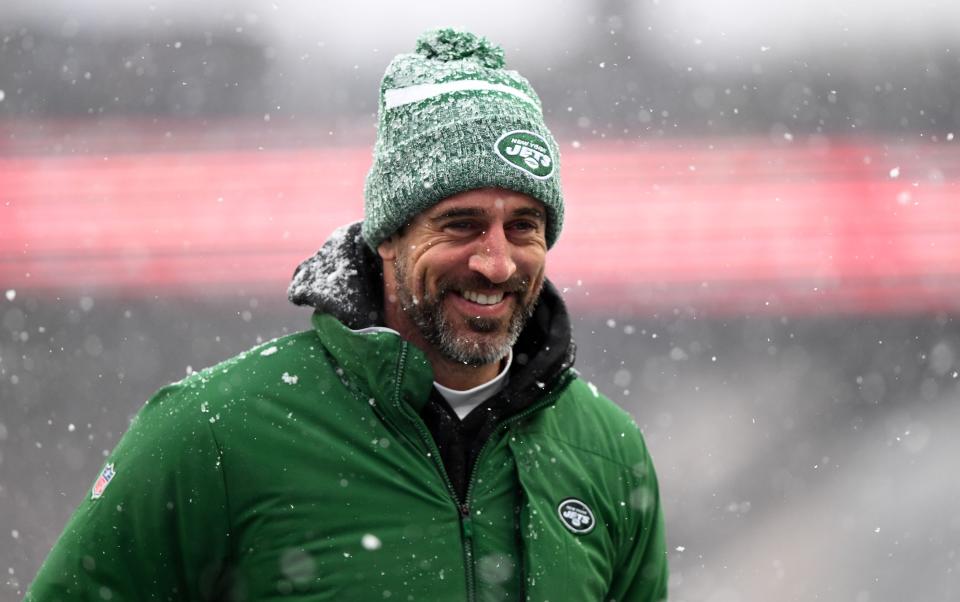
<point>492,257</point>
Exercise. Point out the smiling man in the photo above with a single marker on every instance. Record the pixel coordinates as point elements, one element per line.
<point>428,439</point>
<point>466,275</point>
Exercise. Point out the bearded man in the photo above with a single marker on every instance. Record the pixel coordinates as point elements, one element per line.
<point>428,439</point>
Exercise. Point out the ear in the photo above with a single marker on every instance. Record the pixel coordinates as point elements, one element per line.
<point>388,249</point>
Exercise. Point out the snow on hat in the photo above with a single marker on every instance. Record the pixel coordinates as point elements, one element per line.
<point>452,119</point>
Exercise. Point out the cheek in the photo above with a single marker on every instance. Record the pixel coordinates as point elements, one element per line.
<point>536,275</point>
<point>434,268</point>
<point>406,274</point>
<point>532,265</point>
<point>536,285</point>
<point>423,278</point>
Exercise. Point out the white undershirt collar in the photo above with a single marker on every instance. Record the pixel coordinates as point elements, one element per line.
<point>463,402</point>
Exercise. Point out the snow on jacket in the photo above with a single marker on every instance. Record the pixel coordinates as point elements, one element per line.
<point>313,467</point>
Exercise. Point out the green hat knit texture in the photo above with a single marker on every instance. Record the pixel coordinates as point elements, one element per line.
<point>452,119</point>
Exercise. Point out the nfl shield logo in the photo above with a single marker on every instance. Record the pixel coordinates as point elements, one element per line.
<point>106,475</point>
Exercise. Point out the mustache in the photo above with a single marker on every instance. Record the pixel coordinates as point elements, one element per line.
<point>516,284</point>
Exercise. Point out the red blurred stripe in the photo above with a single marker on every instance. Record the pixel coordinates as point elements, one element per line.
<point>787,228</point>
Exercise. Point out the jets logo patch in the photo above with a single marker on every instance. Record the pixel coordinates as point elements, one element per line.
<point>576,515</point>
<point>106,475</point>
<point>527,152</point>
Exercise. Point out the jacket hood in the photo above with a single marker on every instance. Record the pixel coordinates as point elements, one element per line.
<point>345,279</point>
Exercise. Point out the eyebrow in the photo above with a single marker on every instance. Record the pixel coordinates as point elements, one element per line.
<point>458,212</point>
<point>528,212</point>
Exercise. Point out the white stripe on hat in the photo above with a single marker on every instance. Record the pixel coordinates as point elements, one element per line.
<point>397,97</point>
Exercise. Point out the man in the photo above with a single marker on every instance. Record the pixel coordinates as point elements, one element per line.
<point>428,439</point>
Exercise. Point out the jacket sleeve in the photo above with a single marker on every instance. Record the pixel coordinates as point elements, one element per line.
<point>159,529</point>
<point>642,573</point>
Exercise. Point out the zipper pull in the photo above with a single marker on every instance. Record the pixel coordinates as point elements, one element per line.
<point>466,521</point>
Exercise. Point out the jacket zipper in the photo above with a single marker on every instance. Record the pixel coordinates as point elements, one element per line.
<point>465,507</point>
<point>466,526</point>
<point>466,522</point>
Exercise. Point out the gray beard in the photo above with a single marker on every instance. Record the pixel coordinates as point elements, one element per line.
<point>483,348</point>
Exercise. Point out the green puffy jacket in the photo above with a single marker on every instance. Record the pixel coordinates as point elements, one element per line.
<point>304,470</point>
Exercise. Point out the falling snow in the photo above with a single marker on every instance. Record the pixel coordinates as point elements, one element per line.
<point>371,542</point>
<point>782,215</point>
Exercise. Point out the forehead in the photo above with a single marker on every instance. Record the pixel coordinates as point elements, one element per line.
<point>487,201</point>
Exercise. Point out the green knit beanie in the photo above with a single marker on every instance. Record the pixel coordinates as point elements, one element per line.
<point>452,119</point>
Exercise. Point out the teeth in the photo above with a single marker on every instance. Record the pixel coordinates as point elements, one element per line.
<point>481,298</point>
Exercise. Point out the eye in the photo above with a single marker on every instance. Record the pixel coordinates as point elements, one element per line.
<point>460,225</point>
<point>524,226</point>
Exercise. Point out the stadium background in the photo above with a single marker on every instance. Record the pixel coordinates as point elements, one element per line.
<point>762,253</point>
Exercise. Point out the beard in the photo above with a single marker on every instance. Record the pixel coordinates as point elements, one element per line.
<point>482,340</point>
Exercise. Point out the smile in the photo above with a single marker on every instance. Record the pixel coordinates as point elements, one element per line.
<point>481,298</point>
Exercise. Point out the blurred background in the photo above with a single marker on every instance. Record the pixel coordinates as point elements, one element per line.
<point>762,249</point>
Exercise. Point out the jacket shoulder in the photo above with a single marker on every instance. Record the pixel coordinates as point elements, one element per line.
<point>584,417</point>
<point>275,352</point>
<point>281,361</point>
<point>594,419</point>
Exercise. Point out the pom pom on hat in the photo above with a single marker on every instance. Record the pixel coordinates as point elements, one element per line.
<point>454,45</point>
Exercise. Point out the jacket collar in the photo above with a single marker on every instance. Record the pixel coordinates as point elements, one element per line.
<point>344,281</point>
<point>377,364</point>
